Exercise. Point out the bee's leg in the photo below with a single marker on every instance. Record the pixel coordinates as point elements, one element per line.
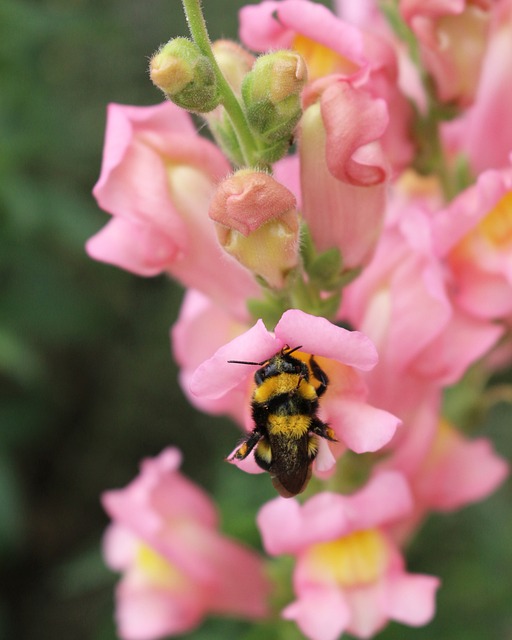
<point>312,447</point>
<point>247,445</point>
<point>263,454</point>
<point>323,430</point>
<point>320,375</point>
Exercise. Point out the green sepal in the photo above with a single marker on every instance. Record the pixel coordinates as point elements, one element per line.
<point>328,307</point>
<point>326,266</point>
<point>272,122</point>
<point>201,95</point>
<point>225,136</point>
<point>267,310</point>
<point>271,154</point>
<point>307,247</point>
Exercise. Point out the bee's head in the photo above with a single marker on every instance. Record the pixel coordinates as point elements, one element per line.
<point>282,362</point>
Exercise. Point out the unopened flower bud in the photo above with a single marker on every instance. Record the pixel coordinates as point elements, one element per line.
<point>257,223</point>
<point>271,93</point>
<point>185,75</point>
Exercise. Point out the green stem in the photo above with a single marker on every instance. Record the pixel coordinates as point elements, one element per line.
<point>199,33</point>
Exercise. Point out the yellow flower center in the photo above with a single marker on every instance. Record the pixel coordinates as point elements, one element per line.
<point>354,560</point>
<point>156,569</point>
<point>321,61</point>
<point>497,225</point>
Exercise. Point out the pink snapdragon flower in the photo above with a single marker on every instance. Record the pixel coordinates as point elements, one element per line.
<point>176,566</point>
<point>445,469</point>
<point>335,50</point>
<point>453,36</point>
<point>157,178</point>
<point>344,175</point>
<point>257,222</point>
<point>342,354</point>
<point>473,234</point>
<point>484,131</point>
<point>403,302</point>
<point>349,574</point>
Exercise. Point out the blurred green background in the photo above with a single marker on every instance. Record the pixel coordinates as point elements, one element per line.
<point>87,384</point>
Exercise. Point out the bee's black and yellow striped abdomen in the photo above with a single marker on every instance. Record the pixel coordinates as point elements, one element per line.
<point>284,409</point>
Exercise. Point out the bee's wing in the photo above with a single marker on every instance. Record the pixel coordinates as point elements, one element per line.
<point>290,468</point>
<point>290,485</point>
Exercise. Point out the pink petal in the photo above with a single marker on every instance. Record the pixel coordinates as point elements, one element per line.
<point>384,499</point>
<point>483,294</point>
<point>367,615</point>
<point>360,426</point>
<point>321,613</point>
<point>320,337</point>
<point>139,248</point>
<point>119,547</point>
<point>260,31</point>
<point>352,216</point>
<point>121,122</point>
<point>465,211</point>
<point>202,328</point>
<point>240,586</point>
<point>286,527</point>
<point>287,172</point>
<point>463,341</point>
<point>411,598</point>
<point>467,471</point>
<point>146,613</point>
<point>217,376</point>
<point>353,120</point>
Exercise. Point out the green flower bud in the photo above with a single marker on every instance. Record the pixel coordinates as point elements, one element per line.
<point>271,93</point>
<point>185,76</point>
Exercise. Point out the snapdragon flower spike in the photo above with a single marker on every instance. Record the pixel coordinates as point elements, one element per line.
<point>349,575</point>
<point>177,567</point>
<point>341,354</point>
<point>257,223</point>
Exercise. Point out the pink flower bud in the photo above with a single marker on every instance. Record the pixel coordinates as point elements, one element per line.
<point>257,223</point>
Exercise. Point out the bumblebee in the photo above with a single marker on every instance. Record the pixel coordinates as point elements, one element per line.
<point>284,410</point>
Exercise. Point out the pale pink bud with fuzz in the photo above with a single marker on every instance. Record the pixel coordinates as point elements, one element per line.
<point>257,223</point>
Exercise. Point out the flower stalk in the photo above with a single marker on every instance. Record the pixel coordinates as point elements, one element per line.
<point>248,144</point>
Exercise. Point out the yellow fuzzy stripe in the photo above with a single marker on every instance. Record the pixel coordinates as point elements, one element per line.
<point>294,426</point>
<point>283,383</point>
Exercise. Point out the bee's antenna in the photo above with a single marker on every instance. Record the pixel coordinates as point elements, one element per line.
<point>285,350</point>
<point>292,350</point>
